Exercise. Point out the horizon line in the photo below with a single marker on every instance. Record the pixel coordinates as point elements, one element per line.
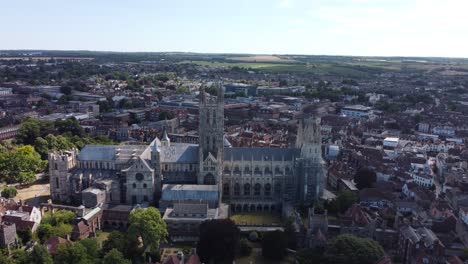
<point>232,53</point>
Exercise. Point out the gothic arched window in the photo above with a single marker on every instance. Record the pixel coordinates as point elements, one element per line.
<point>257,189</point>
<point>236,189</point>
<point>277,189</point>
<point>226,189</point>
<point>246,189</point>
<point>267,189</point>
<point>209,179</point>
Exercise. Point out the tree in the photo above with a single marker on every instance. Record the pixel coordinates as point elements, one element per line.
<point>40,255</point>
<point>219,241</point>
<point>350,249</point>
<point>290,232</point>
<point>69,125</point>
<point>25,234</point>
<point>72,254</point>
<point>62,217</point>
<point>244,248</point>
<point>4,259</point>
<point>20,165</point>
<point>67,90</point>
<point>115,240</point>
<point>253,236</point>
<point>342,202</point>
<point>274,245</point>
<point>122,242</point>
<point>62,230</point>
<point>44,231</point>
<point>164,115</point>
<point>310,256</point>
<point>365,178</point>
<point>9,192</point>
<point>213,90</point>
<point>115,257</point>
<point>149,226</point>
<point>42,147</point>
<point>19,256</point>
<point>31,128</point>
<point>92,248</point>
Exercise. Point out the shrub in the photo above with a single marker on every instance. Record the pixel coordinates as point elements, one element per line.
<point>244,248</point>
<point>9,192</point>
<point>253,236</point>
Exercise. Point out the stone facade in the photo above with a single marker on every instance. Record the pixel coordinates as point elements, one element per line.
<point>249,179</point>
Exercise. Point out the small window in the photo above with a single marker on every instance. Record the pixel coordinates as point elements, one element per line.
<point>55,166</point>
<point>144,185</point>
<point>134,185</point>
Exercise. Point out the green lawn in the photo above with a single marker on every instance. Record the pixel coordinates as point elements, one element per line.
<point>102,236</point>
<point>256,219</point>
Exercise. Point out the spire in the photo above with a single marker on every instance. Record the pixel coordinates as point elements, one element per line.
<point>155,145</point>
<point>165,138</point>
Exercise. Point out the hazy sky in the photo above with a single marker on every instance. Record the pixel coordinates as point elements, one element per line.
<point>331,27</point>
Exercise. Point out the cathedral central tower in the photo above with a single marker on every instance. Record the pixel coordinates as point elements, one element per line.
<point>211,132</point>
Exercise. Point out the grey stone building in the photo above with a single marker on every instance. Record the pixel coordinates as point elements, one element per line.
<point>249,179</point>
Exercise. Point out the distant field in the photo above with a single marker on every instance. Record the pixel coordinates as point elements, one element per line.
<point>260,58</point>
<point>46,58</point>
<point>320,69</point>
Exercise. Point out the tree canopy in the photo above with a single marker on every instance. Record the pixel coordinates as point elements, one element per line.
<point>349,249</point>
<point>9,192</point>
<point>219,241</point>
<point>20,165</point>
<point>342,202</point>
<point>115,257</point>
<point>149,226</point>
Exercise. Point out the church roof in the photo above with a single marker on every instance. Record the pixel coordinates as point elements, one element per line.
<point>110,152</point>
<point>257,153</point>
<point>179,153</point>
<point>184,192</point>
<point>187,208</point>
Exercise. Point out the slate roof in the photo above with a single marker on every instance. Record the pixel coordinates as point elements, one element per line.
<point>180,192</point>
<point>186,208</point>
<point>110,152</point>
<point>259,153</point>
<point>179,153</point>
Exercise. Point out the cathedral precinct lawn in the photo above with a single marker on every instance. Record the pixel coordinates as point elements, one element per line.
<point>257,218</point>
<point>102,236</point>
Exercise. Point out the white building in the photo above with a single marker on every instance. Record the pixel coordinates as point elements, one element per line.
<point>356,111</point>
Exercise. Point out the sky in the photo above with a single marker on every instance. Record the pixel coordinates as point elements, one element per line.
<point>436,28</point>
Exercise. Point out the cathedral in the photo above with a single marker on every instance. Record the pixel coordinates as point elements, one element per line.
<point>248,179</point>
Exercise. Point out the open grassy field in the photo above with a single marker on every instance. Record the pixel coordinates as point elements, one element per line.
<point>256,219</point>
<point>260,58</point>
<point>320,69</point>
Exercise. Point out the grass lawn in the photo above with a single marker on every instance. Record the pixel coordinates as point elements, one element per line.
<point>256,258</point>
<point>256,219</point>
<point>32,191</point>
<point>102,236</point>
